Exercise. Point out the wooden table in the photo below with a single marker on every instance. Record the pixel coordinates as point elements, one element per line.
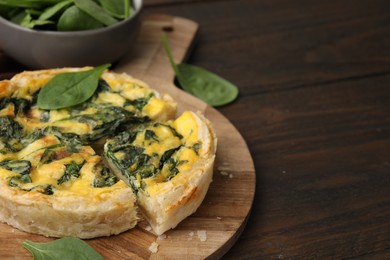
<point>314,109</point>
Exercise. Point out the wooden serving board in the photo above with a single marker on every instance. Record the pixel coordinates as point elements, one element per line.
<point>223,213</point>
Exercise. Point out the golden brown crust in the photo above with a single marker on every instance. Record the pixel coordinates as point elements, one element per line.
<point>4,88</point>
<point>68,216</point>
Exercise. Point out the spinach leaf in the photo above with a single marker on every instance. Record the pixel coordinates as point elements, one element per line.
<point>21,105</point>
<point>129,10</point>
<point>73,145</point>
<point>196,148</point>
<point>167,155</point>
<point>202,83</point>
<point>22,167</point>
<point>18,181</point>
<point>28,3</point>
<point>150,135</point>
<point>104,178</point>
<point>138,103</point>
<point>70,88</point>
<point>63,15</point>
<point>207,86</point>
<point>172,165</point>
<point>125,137</point>
<point>74,19</point>
<point>10,135</point>
<point>96,11</point>
<point>19,166</point>
<point>108,120</point>
<point>54,10</point>
<point>132,154</point>
<point>48,156</point>
<point>134,160</point>
<point>10,129</point>
<point>26,19</point>
<point>64,248</point>
<point>72,170</point>
<point>120,9</point>
<point>46,189</point>
<point>15,181</point>
<point>103,86</point>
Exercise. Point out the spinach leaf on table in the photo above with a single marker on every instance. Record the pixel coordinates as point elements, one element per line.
<point>207,86</point>
<point>65,248</point>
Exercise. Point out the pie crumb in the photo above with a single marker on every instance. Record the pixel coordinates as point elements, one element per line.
<point>202,235</point>
<point>224,173</point>
<point>153,247</point>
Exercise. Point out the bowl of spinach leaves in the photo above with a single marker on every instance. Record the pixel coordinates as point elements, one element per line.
<point>68,33</point>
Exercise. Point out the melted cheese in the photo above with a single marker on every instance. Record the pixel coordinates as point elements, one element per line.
<point>5,174</point>
<point>164,141</point>
<point>187,155</point>
<point>133,91</point>
<point>83,185</point>
<point>50,173</point>
<point>9,110</point>
<point>56,115</point>
<point>6,88</point>
<point>160,139</point>
<point>110,98</point>
<point>187,126</point>
<point>155,107</point>
<point>29,153</point>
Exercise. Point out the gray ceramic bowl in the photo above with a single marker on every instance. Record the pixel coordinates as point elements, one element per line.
<point>50,49</point>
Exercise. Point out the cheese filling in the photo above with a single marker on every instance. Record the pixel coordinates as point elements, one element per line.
<point>155,153</point>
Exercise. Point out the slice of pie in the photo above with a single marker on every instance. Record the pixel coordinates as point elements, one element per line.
<point>169,166</point>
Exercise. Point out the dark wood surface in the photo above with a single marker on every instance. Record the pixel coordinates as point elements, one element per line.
<point>314,109</point>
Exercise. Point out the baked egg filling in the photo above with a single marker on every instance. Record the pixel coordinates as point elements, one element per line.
<point>48,151</point>
<point>154,153</point>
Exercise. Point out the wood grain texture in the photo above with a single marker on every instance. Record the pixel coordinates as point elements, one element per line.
<point>314,81</point>
<point>223,213</point>
<point>272,45</point>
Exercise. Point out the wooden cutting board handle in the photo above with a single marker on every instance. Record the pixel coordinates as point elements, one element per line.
<point>148,59</point>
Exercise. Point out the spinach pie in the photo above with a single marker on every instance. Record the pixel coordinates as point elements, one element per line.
<point>96,168</point>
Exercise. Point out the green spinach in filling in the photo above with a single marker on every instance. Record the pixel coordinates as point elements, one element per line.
<point>134,164</point>
<point>109,120</point>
